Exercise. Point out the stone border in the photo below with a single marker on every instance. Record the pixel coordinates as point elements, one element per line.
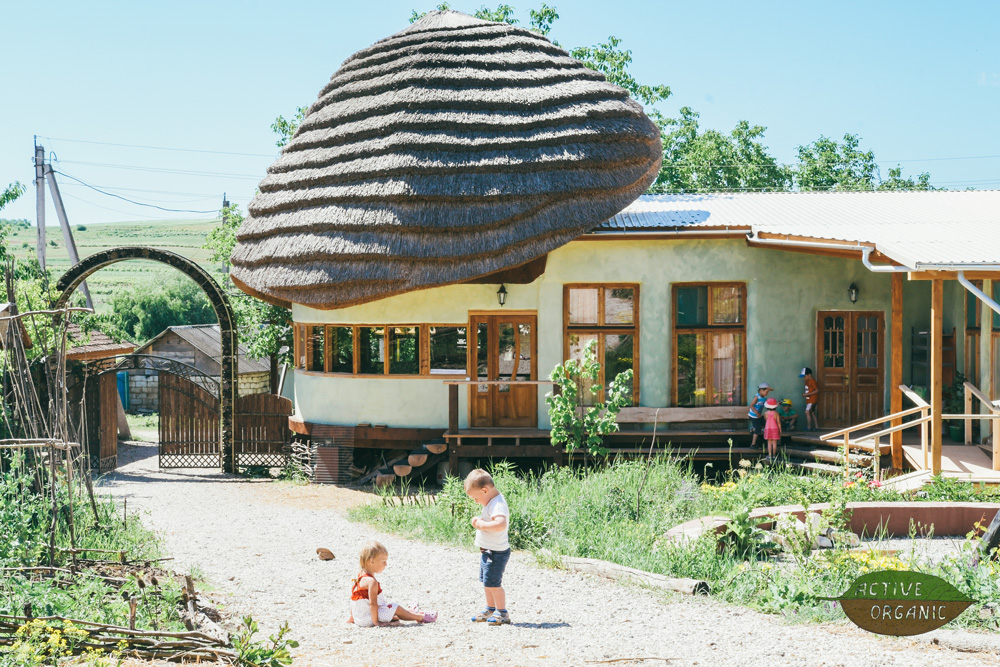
<point>867,518</point>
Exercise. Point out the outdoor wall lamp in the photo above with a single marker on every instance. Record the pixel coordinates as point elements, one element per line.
<point>852,293</point>
<point>502,295</point>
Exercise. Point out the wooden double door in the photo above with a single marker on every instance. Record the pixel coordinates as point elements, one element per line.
<point>505,350</point>
<point>850,360</point>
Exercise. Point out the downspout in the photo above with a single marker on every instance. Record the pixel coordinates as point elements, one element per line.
<point>867,251</point>
<point>980,294</point>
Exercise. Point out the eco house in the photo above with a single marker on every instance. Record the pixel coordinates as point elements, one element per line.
<point>460,212</point>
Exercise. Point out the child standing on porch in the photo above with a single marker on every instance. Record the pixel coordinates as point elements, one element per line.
<point>756,412</point>
<point>812,399</point>
<point>772,428</point>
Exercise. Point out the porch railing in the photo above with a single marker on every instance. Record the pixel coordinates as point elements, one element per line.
<point>926,416</point>
<point>920,407</point>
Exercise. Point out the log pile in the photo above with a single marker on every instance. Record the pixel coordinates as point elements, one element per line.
<point>152,644</point>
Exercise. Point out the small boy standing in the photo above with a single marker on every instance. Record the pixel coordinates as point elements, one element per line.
<point>787,415</point>
<point>756,412</point>
<point>811,394</point>
<point>491,538</point>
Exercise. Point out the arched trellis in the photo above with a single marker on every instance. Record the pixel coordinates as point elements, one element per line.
<point>216,296</point>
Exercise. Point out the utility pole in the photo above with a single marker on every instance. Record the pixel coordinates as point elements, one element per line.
<point>40,201</point>
<point>74,256</point>
<point>225,221</point>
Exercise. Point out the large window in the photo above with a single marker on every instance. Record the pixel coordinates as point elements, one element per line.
<point>709,344</point>
<point>609,316</point>
<point>403,350</point>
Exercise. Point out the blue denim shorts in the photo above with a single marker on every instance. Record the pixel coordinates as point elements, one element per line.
<point>491,567</point>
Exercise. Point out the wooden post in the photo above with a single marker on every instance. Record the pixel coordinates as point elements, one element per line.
<point>996,442</point>
<point>453,409</point>
<point>896,369</point>
<point>986,361</point>
<point>923,437</point>
<point>40,202</point>
<point>937,329</point>
<point>968,411</point>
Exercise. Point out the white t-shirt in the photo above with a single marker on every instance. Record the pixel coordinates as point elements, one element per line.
<point>494,541</point>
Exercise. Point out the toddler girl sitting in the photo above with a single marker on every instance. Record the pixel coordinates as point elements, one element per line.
<point>368,605</point>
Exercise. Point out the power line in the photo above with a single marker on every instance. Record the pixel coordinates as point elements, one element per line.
<point>115,210</point>
<point>160,148</point>
<point>161,170</point>
<point>131,201</point>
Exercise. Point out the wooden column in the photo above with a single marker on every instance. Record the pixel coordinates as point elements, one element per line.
<point>896,368</point>
<point>937,327</point>
<point>985,358</point>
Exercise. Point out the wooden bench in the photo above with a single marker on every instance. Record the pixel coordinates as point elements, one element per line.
<point>667,420</point>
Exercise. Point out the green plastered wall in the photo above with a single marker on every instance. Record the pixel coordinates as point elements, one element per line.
<point>784,292</point>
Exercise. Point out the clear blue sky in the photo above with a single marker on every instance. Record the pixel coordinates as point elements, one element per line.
<point>919,81</point>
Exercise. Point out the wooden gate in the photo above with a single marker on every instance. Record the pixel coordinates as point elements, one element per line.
<point>261,429</point>
<point>189,424</point>
<point>108,391</point>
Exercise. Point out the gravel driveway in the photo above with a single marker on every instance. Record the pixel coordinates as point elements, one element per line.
<point>255,542</point>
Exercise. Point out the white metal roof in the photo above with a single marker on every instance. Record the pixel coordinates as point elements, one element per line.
<point>913,228</point>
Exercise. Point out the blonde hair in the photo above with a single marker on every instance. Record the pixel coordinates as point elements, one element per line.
<point>371,551</point>
<point>478,479</point>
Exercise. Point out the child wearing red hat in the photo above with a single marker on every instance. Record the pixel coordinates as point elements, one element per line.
<point>772,428</point>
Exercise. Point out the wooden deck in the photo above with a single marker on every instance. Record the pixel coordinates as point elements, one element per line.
<point>960,461</point>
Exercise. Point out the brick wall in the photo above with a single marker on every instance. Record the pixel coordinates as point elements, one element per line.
<point>331,463</point>
<point>254,383</point>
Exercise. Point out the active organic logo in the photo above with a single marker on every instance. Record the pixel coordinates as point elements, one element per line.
<point>892,602</point>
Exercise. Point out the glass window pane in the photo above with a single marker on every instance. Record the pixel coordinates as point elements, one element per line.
<point>404,351</point>
<point>726,305</point>
<point>617,357</point>
<point>448,350</point>
<point>523,352</point>
<point>727,369</point>
<point>619,305</point>
<point>972,358</point>
<point>316,348</point>
<point>371,352</point>
<point>691,370</point>
<point>583,305</point>
<point>300,339</point>
<point>692,306</point>
<point>341,342</point>
<point>482,356</point>
<point>577,344</point>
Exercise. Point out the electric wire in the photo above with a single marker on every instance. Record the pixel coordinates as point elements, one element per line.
<point>131,201</point>
<point>159,148</point>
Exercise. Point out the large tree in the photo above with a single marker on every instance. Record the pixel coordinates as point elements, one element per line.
<point>827,164</point>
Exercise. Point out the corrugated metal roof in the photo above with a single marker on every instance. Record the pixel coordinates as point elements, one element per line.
<point>913,228</point>
<point>207,338</point>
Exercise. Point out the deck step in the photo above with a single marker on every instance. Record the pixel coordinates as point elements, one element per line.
<point>824,468</point>
<point>825,455</point>
<point>834,445</point>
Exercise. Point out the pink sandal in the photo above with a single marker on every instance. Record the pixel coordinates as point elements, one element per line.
<point>430,617</point>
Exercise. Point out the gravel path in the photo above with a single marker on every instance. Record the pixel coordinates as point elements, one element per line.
<point>255,541</point>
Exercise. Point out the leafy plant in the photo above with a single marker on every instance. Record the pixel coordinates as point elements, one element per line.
<point>259,653</point>
<point>574,423</point>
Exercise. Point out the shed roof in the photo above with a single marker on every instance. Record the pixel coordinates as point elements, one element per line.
<point>448,151</point>
<point>93,344</point>
<point>916,229</point>
<point>207,339</point>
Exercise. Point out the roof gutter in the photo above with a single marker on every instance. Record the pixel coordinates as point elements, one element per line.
<point>867,251</point>
<point>735,233</point>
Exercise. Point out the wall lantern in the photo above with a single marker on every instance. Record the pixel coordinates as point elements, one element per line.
<point>502,295</point>
<point>852,293</point>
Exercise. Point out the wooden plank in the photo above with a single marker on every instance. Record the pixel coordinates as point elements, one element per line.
<point>453,408</point>
<point>896,368</point>
<point>642,415</point>
<point>953,275</point>
<point>937,330</point>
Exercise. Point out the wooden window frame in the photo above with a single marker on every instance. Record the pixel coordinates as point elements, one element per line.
<point>601,329</point>
<point>301,342</point>
<point>708,329</point>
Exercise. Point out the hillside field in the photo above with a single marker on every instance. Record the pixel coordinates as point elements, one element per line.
<point>184,237</point>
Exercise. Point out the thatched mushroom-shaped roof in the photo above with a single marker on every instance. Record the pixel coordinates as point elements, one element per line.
<point>451,150</point>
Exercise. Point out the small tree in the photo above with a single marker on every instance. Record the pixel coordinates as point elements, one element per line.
<point>575,425</point>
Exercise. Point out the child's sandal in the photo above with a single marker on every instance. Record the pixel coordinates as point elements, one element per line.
<point>429,617</point>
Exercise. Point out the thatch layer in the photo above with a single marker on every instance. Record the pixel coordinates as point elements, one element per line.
<point>453,149</point>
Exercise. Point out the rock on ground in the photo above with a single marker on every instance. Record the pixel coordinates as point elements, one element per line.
<point>255,542</point>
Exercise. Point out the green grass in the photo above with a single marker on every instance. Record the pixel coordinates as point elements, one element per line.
<point>603,514</point>
<point>184,237</point>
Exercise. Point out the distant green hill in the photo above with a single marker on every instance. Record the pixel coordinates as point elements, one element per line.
<point>184,237</point>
